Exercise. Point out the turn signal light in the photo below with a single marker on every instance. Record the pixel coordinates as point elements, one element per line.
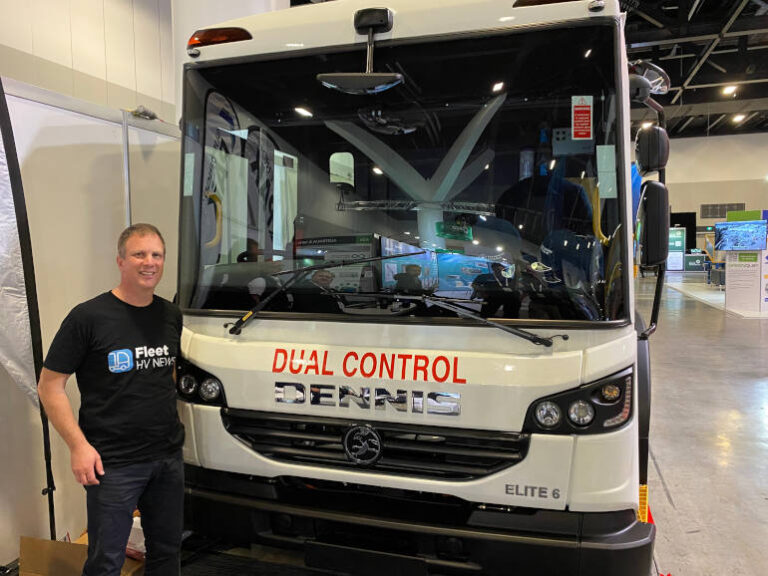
<point>210,36</point>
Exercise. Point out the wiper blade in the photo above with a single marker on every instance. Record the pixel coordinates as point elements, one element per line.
<point>300,273</point>
<point>447,304</point>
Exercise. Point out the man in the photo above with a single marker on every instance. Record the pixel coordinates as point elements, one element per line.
<point>498,288</point>
<point>409,281</point>
<point>317,295</point>
<point>126,450</point>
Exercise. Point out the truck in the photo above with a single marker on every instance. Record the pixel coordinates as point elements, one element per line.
<point>406,272</point>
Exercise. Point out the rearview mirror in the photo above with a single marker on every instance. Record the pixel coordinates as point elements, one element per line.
<point>653,224</point>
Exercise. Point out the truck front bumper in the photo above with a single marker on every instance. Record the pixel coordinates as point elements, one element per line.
<point>359,530</point>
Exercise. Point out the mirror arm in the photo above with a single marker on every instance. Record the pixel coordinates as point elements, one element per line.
<point>661,270</point>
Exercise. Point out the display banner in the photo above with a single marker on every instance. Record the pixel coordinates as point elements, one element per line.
<point>764,283</point>
<point>676,249</point>
<point>20,343</point>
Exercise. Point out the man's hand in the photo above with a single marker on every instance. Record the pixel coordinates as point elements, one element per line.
<point>86,464</point>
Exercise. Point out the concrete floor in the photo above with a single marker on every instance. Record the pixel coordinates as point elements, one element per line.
<point>708,478</point>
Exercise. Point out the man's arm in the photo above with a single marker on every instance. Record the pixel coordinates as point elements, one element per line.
<point>85,460</point>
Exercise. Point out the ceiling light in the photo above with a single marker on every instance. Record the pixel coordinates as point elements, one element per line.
<point>417,237</point>
<point>552,164</point>
<point>499,248</point>
<point>587,53</point>
<point>378,171</point>
<point>294,45</point>
<point>475,242</point>
<point>583,173</point>
<point>483,218</point>
<point>738,118</point>
<point>303,112</point>
<point>647,125</point>
<point>487,166</point>
<point>729,90</point>
<point>520,226</point>
<point>407,233</point>
<point>506,19</point>
<point>498,87</point>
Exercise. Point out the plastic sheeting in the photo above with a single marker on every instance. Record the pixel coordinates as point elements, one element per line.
<point>15,336</point>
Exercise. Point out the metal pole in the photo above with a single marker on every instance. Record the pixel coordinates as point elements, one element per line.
<point>126,170</point>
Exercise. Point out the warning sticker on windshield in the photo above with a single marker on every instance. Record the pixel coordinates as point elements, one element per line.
<point>581,117</point>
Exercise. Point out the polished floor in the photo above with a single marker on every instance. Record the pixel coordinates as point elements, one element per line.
<point>708,477</point>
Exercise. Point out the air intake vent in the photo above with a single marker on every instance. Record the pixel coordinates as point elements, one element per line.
<point>423,451</point>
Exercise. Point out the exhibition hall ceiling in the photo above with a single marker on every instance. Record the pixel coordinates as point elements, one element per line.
<point>705,46</point>
<point>716,55</point>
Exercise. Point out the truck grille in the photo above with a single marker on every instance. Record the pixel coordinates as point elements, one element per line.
<point>423,451</point>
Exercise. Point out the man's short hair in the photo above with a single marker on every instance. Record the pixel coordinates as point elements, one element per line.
<point>140,229</point>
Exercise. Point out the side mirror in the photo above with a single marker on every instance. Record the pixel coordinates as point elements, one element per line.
<point>639,89</point>
<point>651,149</point>
<point>657,78</point>
<point>653,224</point>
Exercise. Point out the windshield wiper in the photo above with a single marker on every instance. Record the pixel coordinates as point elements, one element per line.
<point>301,273</point>
<point>464,313</point>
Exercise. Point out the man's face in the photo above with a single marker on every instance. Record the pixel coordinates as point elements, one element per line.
<point>142,266</point>
<point>322,278</point>
<point>413,270</point>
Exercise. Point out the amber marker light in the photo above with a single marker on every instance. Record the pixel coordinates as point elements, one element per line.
<point>210,36</point>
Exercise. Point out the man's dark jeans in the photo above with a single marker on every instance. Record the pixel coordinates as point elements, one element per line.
<point>157,489</point>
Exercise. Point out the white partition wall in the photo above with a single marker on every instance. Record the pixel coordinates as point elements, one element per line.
<point>72,167</point>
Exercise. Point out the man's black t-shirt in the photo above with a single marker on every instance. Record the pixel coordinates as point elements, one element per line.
<point>123,357</point>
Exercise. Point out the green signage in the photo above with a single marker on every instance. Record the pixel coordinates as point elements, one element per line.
<point>743,215</point>
<point>748,257</point>
<point>677,239</point>
<point>453,231</point>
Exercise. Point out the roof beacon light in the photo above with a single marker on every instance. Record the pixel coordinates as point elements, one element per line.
<point>210,36</point>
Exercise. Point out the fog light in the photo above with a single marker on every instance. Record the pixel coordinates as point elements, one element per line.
<point>188,384</point>
<point>548,414</point>
<point>581,413</point>
<point>610,393</point>
<point>210,389</point>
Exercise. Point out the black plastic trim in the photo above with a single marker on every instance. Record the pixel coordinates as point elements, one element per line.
<point>446,534</point>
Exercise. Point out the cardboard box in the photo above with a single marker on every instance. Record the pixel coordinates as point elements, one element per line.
<point>51,558</point>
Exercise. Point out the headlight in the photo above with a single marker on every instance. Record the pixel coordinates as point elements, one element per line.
<point>210,389</point>
<point>188,384</point>
<point>581,413</point>
<point>198,386</point>
<point>589,409</point>
<point>548,414</point>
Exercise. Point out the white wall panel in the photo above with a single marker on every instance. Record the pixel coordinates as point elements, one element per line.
<point>51,33</point>
<point>88,39</point>
<point>167,62</point>
<point>71,168</point>
<point>120,51</point>
<point>718,158</point>
<point>147,45</point>
<point>16,25</point>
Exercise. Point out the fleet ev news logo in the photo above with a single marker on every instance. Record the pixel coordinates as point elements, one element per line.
<point>146,357</point>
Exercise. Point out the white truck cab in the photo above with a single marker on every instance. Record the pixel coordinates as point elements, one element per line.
<point>405,267</point>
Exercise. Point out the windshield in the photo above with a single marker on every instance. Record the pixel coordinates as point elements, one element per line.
<point>490,172</point>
